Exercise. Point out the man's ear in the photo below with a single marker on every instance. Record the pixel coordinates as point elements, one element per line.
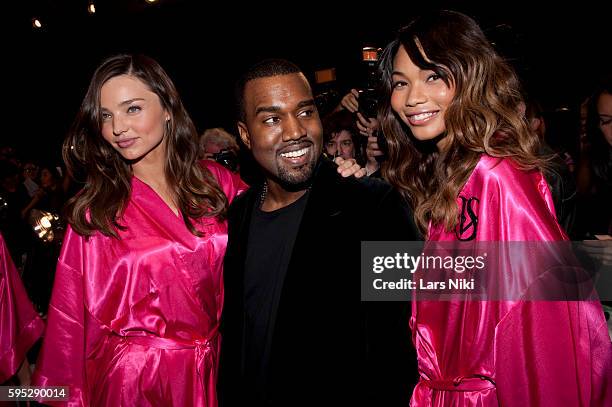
<point>244,134</point>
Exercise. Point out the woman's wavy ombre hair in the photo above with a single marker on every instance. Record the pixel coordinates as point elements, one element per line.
<point>484,116</point>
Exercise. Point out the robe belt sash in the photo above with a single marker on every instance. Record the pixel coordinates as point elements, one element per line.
<point>205,352</point>
<point>461,383</point>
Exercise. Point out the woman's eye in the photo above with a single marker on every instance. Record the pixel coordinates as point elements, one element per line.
<point>398,84</point>
<point>433,77</point>
<point>605,122</point>
<point>105,116</point>
<point>134,109</point>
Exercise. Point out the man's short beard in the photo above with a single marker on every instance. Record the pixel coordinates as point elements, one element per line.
<point>299,178</point>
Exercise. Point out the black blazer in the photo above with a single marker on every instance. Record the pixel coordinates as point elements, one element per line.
<point>328,347</point>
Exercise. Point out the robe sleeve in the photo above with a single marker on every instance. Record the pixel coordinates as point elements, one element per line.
<point>230,182</point>
<point>547,353</point>
<point>554,354</point>
<point>62,358</point>
<point>20,325</point>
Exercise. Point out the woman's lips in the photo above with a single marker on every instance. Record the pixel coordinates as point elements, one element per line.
<point>421,118</point>
<point>126,143</point>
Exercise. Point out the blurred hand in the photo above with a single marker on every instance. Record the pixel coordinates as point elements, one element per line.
<point>349,167</point>
<point>367,126</point>
<point>372,151</point>
<point>350,101</point>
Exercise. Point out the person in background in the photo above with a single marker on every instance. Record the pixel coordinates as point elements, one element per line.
<point>341,137</point>
<point>367,127</point>
<point>558,172</point>
<point>218,145</point>
<point>595,188</point>
<point>39,269</point>
<point>50,196</point>
<point>595,170</point>
<point>30,177</point>
<point>14,197</point>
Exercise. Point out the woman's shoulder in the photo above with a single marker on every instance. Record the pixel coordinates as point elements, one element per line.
<point>498,164</point>
<point>230,182</point>
<point>502,169</point>
<point>502,176</point>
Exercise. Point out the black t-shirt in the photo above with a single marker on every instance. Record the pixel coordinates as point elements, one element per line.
<point>271,239</point>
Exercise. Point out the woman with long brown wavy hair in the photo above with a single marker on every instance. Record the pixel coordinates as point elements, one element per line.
<point>461,153</point>
<point>138,292</point>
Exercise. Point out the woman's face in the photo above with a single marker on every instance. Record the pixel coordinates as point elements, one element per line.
<point>419,97</point>
<point>30,170</point>
<point>341,144</point>
<point>133,119</point>
<point>211,148</point>
<point>604,110</point>
<point>46,178</point>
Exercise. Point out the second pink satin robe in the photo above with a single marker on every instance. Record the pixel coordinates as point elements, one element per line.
<point>20,325</point>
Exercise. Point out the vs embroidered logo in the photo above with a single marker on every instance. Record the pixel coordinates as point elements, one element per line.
<point>468,222</point>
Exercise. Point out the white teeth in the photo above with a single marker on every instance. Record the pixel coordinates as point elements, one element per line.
<point>295,154</point>
<point>422,116</point>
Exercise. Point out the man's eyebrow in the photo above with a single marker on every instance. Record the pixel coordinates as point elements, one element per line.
<point>276,109</point>
<point>267,109</point>
<point>304,103</point>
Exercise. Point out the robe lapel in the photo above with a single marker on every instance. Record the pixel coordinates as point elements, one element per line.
<point>147,204</point>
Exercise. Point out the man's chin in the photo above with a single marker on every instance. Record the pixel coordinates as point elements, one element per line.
<point>296,179</point>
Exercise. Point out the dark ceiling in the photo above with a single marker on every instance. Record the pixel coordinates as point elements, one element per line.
<point>559,51</point>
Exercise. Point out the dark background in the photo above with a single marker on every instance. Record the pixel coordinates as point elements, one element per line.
<point>560,50</point>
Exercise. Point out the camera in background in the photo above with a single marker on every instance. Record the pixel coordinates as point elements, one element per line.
<point>227,158</point>
<point>219,145</point>
<point>368,91</point>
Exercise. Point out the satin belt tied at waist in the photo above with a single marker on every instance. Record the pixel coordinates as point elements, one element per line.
<point>461,383</point>
<point>205,349</point>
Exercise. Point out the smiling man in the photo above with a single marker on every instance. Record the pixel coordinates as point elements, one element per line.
<point>294,329</point>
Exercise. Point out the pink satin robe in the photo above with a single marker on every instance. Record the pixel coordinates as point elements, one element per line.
<point>20,325</point>
<point>510,353</point>
<point>134,321</point>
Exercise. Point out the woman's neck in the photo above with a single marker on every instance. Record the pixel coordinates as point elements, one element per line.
<point>150,174</point>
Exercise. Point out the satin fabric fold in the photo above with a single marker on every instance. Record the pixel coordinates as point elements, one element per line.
<point>533,353</point>
<point>133,321</point>
<point>20,325</point>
